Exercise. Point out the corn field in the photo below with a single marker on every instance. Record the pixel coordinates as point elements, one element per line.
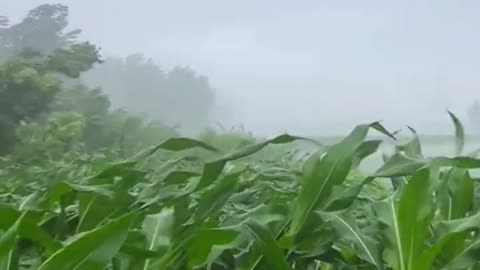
<point>313,211</point>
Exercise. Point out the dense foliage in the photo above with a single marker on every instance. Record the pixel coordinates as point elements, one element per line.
<point>234,211</point>
<point>30,83</point>
<point>43,85</point>
<point>85,186</point>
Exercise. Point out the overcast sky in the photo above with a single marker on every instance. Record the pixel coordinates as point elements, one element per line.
<point>308,67</point>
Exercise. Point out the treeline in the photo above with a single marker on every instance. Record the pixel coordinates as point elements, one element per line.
<point>179,97</point>
<point>56,93</point>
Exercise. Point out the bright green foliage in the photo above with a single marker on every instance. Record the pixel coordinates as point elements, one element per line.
<point>29,84</point>
<point>88,187</point>
<point>91,250</point>
<point>106,128</point>
<point>61,133</point>
<point>7,245</point>
<point>407,216</point>
<point>35,55</point>
<point>239,212</point>
<point>26,89</point>
<point>266,242</point>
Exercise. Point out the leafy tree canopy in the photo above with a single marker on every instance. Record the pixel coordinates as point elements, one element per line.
<point>40,64</point>
<point>37,56</point>
<point>30,82</point>
<point>44,29</point>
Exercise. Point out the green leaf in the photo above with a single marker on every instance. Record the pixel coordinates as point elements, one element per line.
<point>208,243</point>
<point>407,217</point>
<point>321,174</point>
<point>179,144</point>
<point>28,228</point>
<point>468,258</point>
<point>215,199</point>
<point>445,227</point>
<point>158,228</point>
<point>9,216</point>
<point>213,169</point>
<point>266,242</point>
<point>95,209</point>
<point>455,200</point>
<point>344,196</point>
<point>412,148</point>
<point>169,182</point>
<point>399,165</point>
<point>58,190</point>
<point>380,128</point>
<point>366,149</point>
<point>114,170</point>
<point>211,172</point>
<point>178,177</point>
<point>97,203</point>
<point>174,144</point>
<point>459,162</point>
<point>452,245</point>
<point>459,134</point>
<point>456,194</point>
<point>8,241</point>
<point>92,210</point>
<point>91,250</point>
<point>367,248</point>
<point>286,138</point>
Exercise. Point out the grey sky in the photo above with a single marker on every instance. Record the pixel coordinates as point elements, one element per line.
<point>309,67</point>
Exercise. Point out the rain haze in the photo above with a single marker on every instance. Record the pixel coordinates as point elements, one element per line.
<point>306,67</point>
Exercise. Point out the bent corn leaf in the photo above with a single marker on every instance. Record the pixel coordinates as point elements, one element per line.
<point>213,169</point>
<point>459,134</point>
<point>91,250</point>
<point>8,241</point>
<point>346,228</point>
<point>321,174</point>
<point>173,144</point>
<point>407,217</point>
<point>158,228</point>
<point>267,244</point>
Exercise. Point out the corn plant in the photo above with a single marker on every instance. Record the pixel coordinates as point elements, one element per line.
<point>234,212</point>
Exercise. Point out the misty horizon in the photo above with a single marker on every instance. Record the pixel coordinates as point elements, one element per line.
<point>306,68</point>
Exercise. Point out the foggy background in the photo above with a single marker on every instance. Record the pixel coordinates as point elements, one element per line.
<point>306,67</point>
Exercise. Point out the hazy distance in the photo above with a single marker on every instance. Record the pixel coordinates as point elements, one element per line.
<point>307,67</point>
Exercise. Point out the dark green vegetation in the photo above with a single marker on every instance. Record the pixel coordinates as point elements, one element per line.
<point>77,191</point>
<point>44,70</point>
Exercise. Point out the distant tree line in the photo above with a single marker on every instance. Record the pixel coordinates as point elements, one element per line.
<point>56,92</point>
<point>178,97</point>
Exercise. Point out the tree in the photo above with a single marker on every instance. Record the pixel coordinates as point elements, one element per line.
<point>43,30</point>
<point>50,140</point>
<point>92,104</point>
<point>38,54</point>
<point>30,82</point>
<point>179,97</point>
